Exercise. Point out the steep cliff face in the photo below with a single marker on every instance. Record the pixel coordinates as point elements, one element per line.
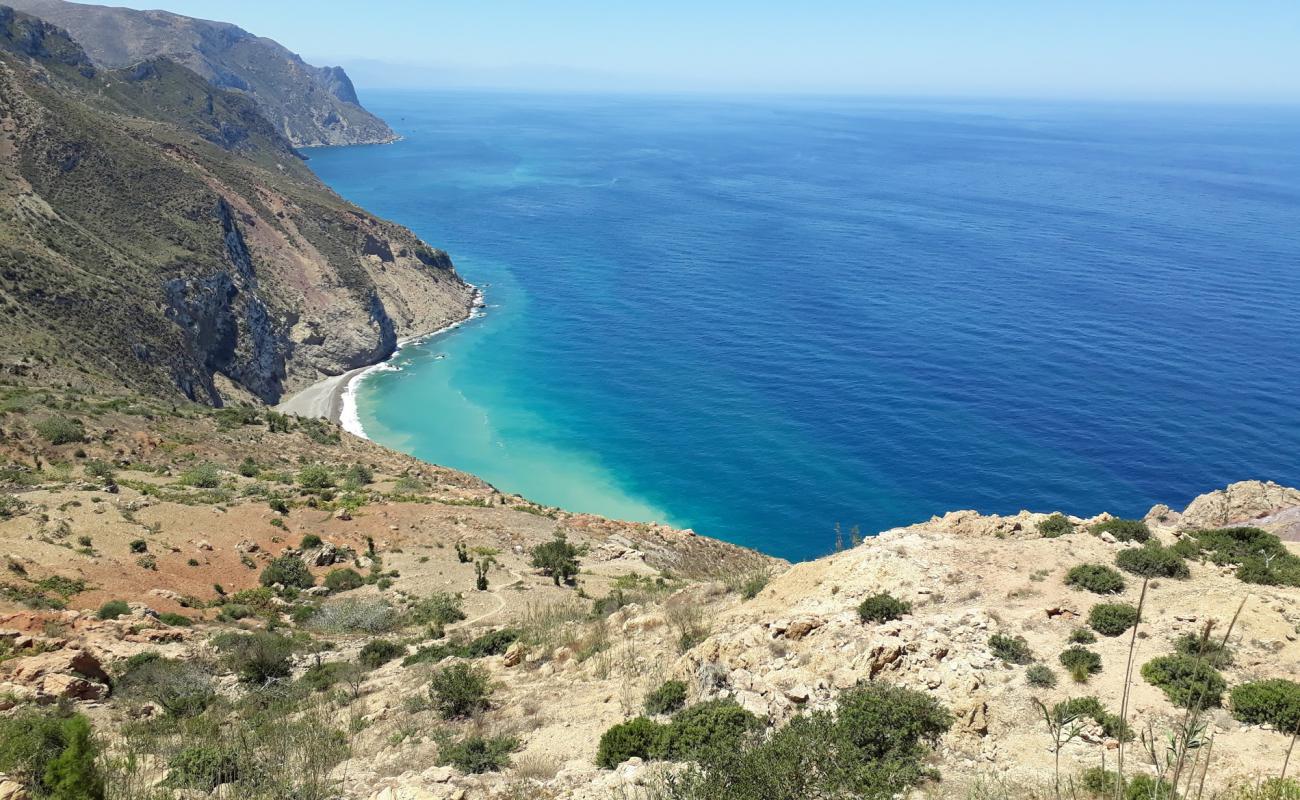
<point>160,232</point>
<point>309,105</point>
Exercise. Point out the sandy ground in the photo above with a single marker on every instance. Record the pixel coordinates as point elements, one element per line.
<point>321,399</point>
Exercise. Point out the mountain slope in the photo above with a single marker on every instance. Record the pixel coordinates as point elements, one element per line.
<point>310,106</point>
<point>160,233</point>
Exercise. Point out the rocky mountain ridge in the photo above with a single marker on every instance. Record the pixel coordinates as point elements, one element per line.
<point>310,106</point>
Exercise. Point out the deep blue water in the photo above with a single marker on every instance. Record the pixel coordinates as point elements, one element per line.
<point>758,318</point>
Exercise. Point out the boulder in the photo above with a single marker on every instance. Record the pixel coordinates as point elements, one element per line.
<point>12,790</point>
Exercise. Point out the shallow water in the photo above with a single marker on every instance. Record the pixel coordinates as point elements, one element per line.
<point>758,318</point>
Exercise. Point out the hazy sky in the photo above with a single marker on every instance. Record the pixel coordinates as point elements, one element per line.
<point>1176,49</point>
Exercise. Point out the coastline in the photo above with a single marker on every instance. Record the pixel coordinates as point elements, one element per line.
<point>334,398</point>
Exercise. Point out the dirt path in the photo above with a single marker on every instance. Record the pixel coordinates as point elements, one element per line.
<point>496,593</point>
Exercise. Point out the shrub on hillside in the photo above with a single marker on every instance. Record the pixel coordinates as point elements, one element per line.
<point>343,579</point>
<point>1011,649</point>
<point>315,477</point>
<point>258,658</point>
<point>202,767</point>
<point>1187,681</point>
<point>1273,702</point>
<point>323,677</point>
<point>1082,636</point>
<point>478,754</point>
<point>55,755</point>
<point>1080,663</point>
<point>378,652</point>
<point>637,738</point>
<point>310,541</point>
<point>61,430</point>
<point>703,727</point>
<point>114,609</point>
<point>201,476</point>
<point>439,608</point>
<point>1112,619</point>
<point>355,616</point>
<point>1055,525</point>
<point>1261,557</point>
<point>669,697</point>
<point>1078,707</point>
<point>557,558</point>
<point>1096,578</point>
<point>492,643</point>
<point>287,571</point>
<point>1152,560</point>
<point>1040,676</point>
<point>460,690</point>
<point>1214,652</point>
<point>1124,530</point>
<point>882,608</point>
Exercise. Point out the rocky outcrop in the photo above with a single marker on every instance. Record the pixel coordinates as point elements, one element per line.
<point>1262,504</point>
<point>311,106</point>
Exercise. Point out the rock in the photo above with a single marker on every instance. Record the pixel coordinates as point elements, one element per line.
<point>797,694</point>
<point>317,591</point>
<point>247,546</point>
<point>66,673</point>
<point>1243,502</point>
<point>343,514</point>
<point>11,790</point>
<point>204,545</point>
<point>514,655</point>
<point>802,627</point>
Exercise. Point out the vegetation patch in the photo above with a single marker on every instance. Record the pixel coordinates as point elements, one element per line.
<point>1187,681</point>
<point>1081,663</point>
<point>1095,578</point>
<point>1273,702</point>
<point>1055,525</point>
<point>460,690</point>
<point>1152,560</point>
<point>479,754</point>
<point>1112,619</point>
<point>670,696</point>
<point>1261,557</point>
<point>1124,530</point>
<point>1011,649</point>
<point>883,607</point>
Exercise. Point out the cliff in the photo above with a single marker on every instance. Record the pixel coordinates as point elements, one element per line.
<point>160,233</point>
<point>310,106</point>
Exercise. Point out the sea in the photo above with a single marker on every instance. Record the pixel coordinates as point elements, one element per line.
<point>763,317</point>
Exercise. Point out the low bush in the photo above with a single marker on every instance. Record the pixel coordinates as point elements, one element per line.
<point>1011,649</point>
<point>257,658</point>
<point>1055,525</point>
<point>1078,707</point>
<point>1187,681</point>
<point>55,754</point>
<point>557,558</point>
<point>1095,578</point>
<point>1080,663</point>
<point>378,652</point>
<point>323,677</point>
<point>1152,560</point>
<point>460,690</point>
<point>1214,652</point>
<point>1082,636</point>
<point>440,608</point>
<point>310,541</point>
<point>698,730</point>
<point>315,477</point>
<point>1261,557</point>
<point>201,476</point>
<point>344,579</point>
<point>61,430</point>
<point>172,618</point>
<point>883,607</point>
<point>1040,676</point>
<point>637,738</point>
<point>114,609</point>
<point>1112,619</point>
<point>669,697</point>
<point>1100,782</point>
<point>479,754</point>
<point>1124,530</point>
<point>138,546</point>
<point>355,616</point>
<point>202,767</point>
<point>492,643</point>
<point>287,571</point>
<point>1273,702</point>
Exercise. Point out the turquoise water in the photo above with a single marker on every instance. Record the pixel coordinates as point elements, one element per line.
<point>758,318</point>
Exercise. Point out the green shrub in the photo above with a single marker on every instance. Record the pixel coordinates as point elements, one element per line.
<point>315,477</point>
<point>1261,557</point>
<point>1215,653</point>
<point>478,754</point>
<point>696,731</point>
<point>440,608</point>
<point>1152,560</point>
<point>114,609</point>
<point>1124,530</point>
<point>1080,663</point>
<point>460,690</point>
<point>1096,578</point>
<point>378,652</point>
<point>492,643</point>
<point>1078,707</point>
<point>138,546</point>
<point>172,618</point>
<point>56,754</point>
<point>356,616</point>
<point>278,505</point>
<point>1041,676</point>
<point>883,607</point>
<point>248,467</point>
<point>1101,783</point>
<point>1011,649</point>
<point>323,677</point>
<point>1112,619</point>
<point>1187,681</point>
<point>61,430</point>
<point>201,476</point>
<point>287,571</point>
<point>310,541</point>
<point>636,738</point>
<point>557,558</point>
<point>202,767</point>
<point>1273,702</point>
<point>357,476</point>
<point>257,658</point>
<point>104,471</point>
<point>1055,525</point>
<point>344,579</point>
<point>1082,636</point>
<point>669,697</point>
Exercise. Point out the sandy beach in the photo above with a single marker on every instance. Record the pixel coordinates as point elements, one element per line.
<point>321,399</point>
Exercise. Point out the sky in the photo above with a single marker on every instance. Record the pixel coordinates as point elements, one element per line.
<point>1248,50</point>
